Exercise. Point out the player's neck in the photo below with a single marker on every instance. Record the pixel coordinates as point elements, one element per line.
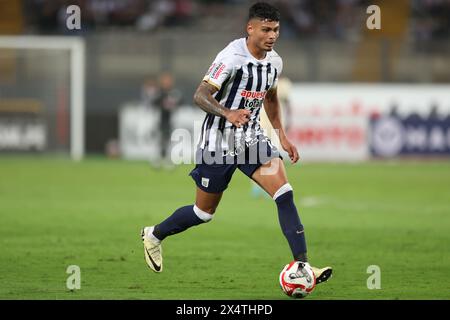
<point>255,51</point>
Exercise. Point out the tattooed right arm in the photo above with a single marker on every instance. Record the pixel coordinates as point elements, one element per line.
<point>204,99</point>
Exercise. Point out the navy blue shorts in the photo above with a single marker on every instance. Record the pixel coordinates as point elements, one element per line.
<point>213,171</point>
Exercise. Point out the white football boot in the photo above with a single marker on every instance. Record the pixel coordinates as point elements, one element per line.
<point>152,250</point>
<point>323,274</point>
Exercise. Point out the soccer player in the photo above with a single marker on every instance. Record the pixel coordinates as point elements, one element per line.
<point>242,79</point>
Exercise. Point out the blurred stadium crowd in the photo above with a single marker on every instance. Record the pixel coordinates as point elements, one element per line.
<point>329,18</point>
<point>130,42</point>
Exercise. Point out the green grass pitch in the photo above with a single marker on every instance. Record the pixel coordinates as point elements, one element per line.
<point>55,213</point>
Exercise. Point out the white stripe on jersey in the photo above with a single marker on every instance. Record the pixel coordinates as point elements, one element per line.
<point>244,86</point>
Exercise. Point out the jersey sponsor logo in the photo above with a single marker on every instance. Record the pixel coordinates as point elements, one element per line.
<point>211,68</point>
<point>253,99</point>
<point>216,70</point>
<point>252,104</point>
<point>253,94</point>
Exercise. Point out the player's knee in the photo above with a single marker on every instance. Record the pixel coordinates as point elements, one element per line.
<point>282,190</point>
<point>204,214</point>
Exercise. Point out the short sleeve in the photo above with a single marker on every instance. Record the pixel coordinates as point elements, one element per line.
<point>279,68</point>
<point>219,71</point>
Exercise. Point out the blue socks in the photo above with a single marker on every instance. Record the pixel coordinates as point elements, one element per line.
<point>291,225</point>
<point>182,219</point>
<point>189,216</point>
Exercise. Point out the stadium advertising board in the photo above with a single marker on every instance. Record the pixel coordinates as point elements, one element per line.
<point>354,122</point>
<point>328,122</point>
<point>23,126</point>
<point>140,136</point>
<point>138,130</point>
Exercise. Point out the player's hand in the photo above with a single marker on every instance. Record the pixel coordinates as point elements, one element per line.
<point>238,117</point>
<point>291,150</point>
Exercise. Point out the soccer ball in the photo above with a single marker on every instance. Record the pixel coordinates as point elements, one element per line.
<point>297,279</point>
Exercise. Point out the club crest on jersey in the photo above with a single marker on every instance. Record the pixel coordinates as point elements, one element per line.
<point>205,182</point>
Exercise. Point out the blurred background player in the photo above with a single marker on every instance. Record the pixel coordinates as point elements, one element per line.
<point>167,100</point>
<point>149,91</point>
